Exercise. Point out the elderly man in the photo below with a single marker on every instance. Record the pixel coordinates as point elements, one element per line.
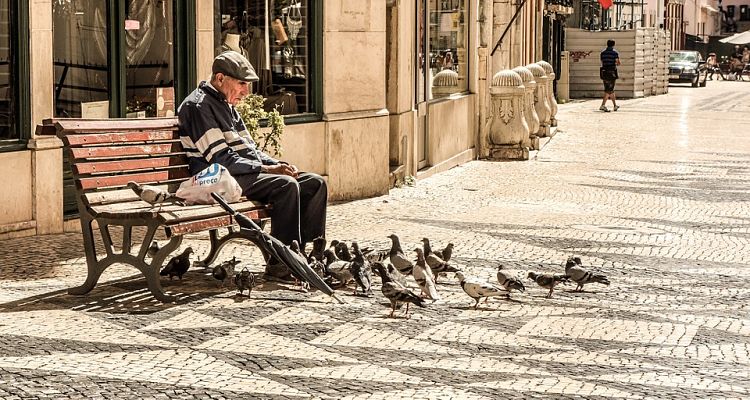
<point>211,131</point>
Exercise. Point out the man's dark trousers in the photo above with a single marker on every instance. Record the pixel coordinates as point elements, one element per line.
<point>299,205</point>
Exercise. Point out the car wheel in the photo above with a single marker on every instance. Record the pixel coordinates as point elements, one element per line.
<point>695,81</point>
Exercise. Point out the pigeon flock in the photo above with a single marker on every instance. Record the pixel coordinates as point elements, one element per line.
<point>340,264</point>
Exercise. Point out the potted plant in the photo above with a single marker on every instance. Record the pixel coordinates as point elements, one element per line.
<point>268,138</point>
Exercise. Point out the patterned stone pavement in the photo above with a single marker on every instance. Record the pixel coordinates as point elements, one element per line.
<point>655,195</point>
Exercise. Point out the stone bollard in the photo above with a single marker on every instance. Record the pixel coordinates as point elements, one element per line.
<point>541,102</point>
<point>508,131</point>
<point>550,91</point>
<point>529,112</point>
<point>444,83</point>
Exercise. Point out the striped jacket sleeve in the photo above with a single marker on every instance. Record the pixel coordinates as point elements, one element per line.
<point>207,138</point>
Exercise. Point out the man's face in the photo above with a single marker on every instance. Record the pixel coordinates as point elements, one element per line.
<point>233,89</point>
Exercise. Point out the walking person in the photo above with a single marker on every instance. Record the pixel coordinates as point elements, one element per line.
<point>610,59</point>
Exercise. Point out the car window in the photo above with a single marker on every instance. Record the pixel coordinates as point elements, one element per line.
<point>682,57</point>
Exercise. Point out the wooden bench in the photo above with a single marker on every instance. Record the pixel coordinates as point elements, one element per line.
<point>104,156</point>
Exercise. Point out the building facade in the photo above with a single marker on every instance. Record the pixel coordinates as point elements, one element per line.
<point>373,91</point>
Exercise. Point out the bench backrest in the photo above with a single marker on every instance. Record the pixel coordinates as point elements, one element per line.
<point>106,154</point>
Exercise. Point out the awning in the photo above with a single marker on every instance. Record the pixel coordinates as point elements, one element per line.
<point>738,38</point>
<point>710,9</point>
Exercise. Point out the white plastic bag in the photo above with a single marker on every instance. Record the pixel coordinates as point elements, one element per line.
<point>215,178</point>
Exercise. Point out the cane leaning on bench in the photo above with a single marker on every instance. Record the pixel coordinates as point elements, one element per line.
<point>107,154</point>
<point>211,131</point>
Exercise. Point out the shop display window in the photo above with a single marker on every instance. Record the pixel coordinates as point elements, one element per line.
<point>444,43</point>
<point>274,36</point>
<point>7,78</point>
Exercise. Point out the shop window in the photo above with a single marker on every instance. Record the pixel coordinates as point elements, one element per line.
<point>448,55</point>
<point>277,38</point>
<point>115,58</point>
<point>744,13</point>
<point>14,96</point>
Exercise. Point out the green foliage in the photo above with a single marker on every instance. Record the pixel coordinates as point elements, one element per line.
<point>251,111</point>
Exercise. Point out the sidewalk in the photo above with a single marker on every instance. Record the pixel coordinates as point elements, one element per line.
<point>654,194</point>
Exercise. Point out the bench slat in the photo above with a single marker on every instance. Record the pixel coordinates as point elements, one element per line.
<point>80,139</point>
<point>128,165</point>
<point>170,213</point>
<point>123,151</point>
<point>182,228</point>
<point>65,126</point>
<point>114,181</point>
<point>111,196</point>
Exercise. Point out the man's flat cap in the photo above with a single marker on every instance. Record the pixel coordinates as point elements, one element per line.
<point>234,64</point>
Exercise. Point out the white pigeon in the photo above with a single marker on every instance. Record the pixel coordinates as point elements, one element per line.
<point>476,289</point>
<point>510,279</point>
<point>423,275</point>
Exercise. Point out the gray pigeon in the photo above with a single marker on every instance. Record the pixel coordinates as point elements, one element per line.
<point>580,275</point>
<point>437,264</point>
<point>225,270</point>
<point>337,269</point>
<point>423,275</point>
<point>316,254</point>
<point>447,252</point>
<point>548,281</point>
<point>153,249</point>
<point>178,265</point>
<point>153,194</point>
<point>396,293</point>
<point>244,280</point>
<point>342,252</point>
<point>509,280</point>
<point>360,270</point>
<point>398,258</point>
<point>477,289</point>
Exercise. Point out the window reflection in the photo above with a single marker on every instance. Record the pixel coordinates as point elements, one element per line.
<point>448,56</point>
<point>7,106</point>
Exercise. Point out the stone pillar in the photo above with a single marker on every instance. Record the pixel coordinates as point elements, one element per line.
<point>508,131</point>
<point>529,112</point>
<point>550,91</point>
<point>445,83</point>
<point>541,103</point>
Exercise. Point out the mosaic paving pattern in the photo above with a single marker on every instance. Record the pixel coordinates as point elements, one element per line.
<point>665,214</point>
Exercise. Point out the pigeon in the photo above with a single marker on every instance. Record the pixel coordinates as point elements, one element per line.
<point>178,265</point>
<point>437,264</point>
<point>342,252</point>
<point>477,289</point>
<point>360,270</point>
<point>244,280</point>
<point>153,249</point>
<point>153,194</point>
<point>548,281</point>
<point>396,293</point>
<point>224,270</point>
<point>337,269</point>
<point>398,258</point>
<point>447,252</point>
<point>580,275</point>
<point>316,254</point>
<point>509,280</point>
<point>394,274</point>
<point>423,275</point>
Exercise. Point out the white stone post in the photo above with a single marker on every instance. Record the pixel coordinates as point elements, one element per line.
<point>529,112</point>
<point>541,102</point>
<point>508,131</point>
<point>550,91</point>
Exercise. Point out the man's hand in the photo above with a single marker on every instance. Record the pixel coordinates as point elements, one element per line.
<point>280,169</point>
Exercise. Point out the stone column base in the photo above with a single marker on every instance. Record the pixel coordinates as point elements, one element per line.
<point>534,143</point>
<point>508,152</point>
<point>544,131</point>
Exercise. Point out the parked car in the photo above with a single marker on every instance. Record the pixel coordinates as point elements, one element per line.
<point>687,66</point>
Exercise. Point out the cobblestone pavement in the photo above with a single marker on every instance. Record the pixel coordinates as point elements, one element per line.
<point>654,194</point>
